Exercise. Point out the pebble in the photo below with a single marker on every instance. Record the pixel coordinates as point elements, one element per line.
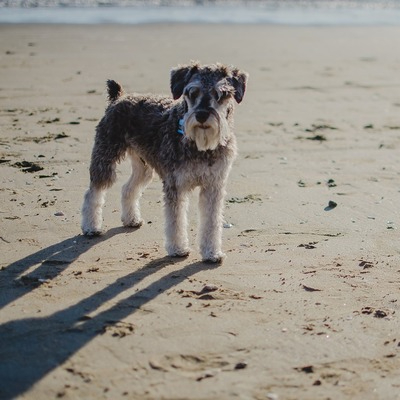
<point>332,204</point>
<point>241,365</point>
<point>390,225</point>
<point>209,288</point>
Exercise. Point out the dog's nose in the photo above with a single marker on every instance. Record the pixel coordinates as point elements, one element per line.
<point>202,116</point>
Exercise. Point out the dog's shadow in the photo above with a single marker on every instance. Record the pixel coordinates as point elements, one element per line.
<point>47,263</point>
<point>31,348</point>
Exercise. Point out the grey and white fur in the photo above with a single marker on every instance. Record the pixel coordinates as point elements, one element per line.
<point>188,140</point>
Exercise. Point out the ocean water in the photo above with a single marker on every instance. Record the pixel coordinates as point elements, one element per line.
<point>278,12</point>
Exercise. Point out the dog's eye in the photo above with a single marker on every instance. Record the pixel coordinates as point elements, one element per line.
<point>193,93</point>
<point>215,94</point>
<point>221,95</point>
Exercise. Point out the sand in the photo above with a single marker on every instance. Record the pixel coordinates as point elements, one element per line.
<point>306,305</point>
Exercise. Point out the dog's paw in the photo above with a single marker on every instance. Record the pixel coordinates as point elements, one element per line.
<point>215,258</point>
<point>92,232</point>
<point>135,223</point>
<point>179,252</point>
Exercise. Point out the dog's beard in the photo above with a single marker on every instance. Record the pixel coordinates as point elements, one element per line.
<point>209,134</point>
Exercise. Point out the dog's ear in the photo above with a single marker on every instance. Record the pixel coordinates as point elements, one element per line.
<point>239,81</point>
<point>180,77</point>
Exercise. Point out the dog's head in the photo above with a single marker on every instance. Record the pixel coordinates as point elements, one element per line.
<point>209,93</point>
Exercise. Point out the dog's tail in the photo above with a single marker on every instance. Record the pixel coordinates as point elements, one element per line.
<point>115,90</point>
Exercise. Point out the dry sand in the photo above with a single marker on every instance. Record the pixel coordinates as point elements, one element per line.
<point>306,306</point>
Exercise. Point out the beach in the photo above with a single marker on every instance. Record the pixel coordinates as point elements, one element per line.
<point>306,304</point>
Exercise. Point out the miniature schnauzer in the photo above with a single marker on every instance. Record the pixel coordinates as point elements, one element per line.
<point>188,141</point>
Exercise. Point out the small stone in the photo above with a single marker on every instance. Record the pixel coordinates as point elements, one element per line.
<point>301,183</point>
<point>209,288</point>
<point>380,314</point>
<point>309,369</point>
<point>332,204</point>
<point>241,365</point>
<point>331,183</point>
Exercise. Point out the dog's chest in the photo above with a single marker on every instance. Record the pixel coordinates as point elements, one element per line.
<point>200,171</point>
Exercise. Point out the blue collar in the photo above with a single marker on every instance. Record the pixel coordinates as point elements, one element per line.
<point>181,129</point>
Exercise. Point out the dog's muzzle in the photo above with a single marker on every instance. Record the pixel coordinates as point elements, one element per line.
<point>205,127</point>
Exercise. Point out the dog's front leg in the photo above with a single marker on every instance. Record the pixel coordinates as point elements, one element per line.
<point>176,205</point>
<point>211,201</point>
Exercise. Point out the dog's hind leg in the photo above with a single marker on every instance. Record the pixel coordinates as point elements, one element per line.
<point>142,175</point>
<point>92,211</point>
<point>105,156</point>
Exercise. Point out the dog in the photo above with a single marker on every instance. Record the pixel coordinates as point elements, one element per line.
<point>188,140</point>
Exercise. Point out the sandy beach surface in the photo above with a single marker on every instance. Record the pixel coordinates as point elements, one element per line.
<point>307,303</point>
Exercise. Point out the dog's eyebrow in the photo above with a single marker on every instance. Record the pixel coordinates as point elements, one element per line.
<point>193,85</point>
<point>224,86</point>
